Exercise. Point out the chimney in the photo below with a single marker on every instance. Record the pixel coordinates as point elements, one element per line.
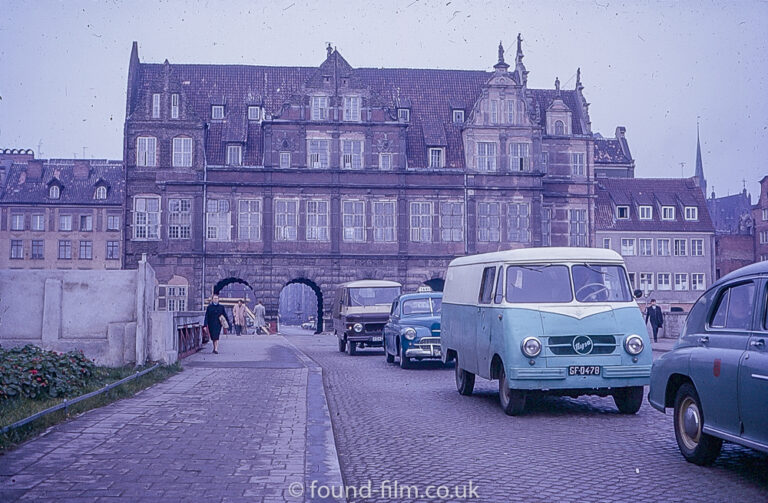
<point>82,169</point>
<point>620,130</point>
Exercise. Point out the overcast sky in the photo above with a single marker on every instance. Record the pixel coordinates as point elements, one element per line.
<point>652,66</point>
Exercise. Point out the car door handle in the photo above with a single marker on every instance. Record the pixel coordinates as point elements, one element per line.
<point>500,317</point>
<point>704,339</point>
<point>760,343</point>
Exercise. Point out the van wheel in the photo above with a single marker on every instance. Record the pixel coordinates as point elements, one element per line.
<point>696,446</point>
<point>351,349</point>
<point>465,381</point>
<point>628,400</point>
<point>512,400</point>
<point>342,345</point>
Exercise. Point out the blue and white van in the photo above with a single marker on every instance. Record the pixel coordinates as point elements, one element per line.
<point>557,320</point>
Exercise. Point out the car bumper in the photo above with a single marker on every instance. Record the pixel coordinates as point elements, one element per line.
<point>369,340</point>
<point>423,353</point>
<point>558,378</point>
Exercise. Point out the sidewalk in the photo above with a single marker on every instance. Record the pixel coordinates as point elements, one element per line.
<point>243,425</point>
<point>664,345</point>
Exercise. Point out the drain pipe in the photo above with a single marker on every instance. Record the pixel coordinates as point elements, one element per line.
<point>202,211</point>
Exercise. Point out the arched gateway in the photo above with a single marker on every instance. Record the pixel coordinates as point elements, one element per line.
<point>317,310</point>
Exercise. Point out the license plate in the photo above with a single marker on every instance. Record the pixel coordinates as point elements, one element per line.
<point>584,370</point>
<point>377,339</point>
<point>436,352</point>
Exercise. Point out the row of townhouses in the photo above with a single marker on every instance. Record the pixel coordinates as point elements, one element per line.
<point>266,176</point>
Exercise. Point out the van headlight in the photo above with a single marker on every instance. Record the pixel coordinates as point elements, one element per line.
<point>410,333</point>
<point>634,344</point>
<point>531,347</point>
<point>358,327</point>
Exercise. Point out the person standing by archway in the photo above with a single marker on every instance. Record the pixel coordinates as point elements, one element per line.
<point>238,316</point>
<point>215,320</point>
<point>259,311</point>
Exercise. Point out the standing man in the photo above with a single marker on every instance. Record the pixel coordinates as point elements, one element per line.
<point>653,313</point>
<point>261,324</point>
<point>214,314</point>
<point>238,316</point>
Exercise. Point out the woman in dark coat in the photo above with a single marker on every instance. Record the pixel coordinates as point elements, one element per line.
<point>212,321</point>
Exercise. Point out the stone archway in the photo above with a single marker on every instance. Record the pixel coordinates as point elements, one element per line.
<point>436,284</point>
<point>318,295</point>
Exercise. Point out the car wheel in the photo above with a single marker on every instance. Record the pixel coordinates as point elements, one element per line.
<point>351,348</point>
<point>390,356</point>
<point>342,345</point>
<point>512,400</point>
<point>696,446</point>
<point>405,362</point>
<point>628,400</point>
<point>465,381</point>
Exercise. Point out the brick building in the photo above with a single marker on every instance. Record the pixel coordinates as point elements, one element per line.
<point>272,175</point>
<point>760,215</point>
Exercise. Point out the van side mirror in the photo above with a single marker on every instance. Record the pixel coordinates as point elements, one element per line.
<point>638,293</point>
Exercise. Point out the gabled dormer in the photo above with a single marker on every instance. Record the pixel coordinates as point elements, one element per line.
<point>55,188</point>
<point>502,100</point>
<point>100,189</point>
<point>559,115</point>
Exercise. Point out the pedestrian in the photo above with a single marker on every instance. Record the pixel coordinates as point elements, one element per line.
<point>238,316</point>
<point>215,320</point>
<point>653,313</point>
<point>259,322</point>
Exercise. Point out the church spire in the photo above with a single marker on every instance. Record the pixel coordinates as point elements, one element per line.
<point>699,175</point>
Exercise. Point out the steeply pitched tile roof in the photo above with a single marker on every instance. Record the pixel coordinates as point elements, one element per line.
<point>609,151</point>
<point>677,192</point>
<point>729,212</point>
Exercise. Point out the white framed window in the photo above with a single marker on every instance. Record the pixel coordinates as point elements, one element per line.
<point>65,249</point>
<point>156,106</point>
<point>54,192</point>
<point>667,212</point>
<point>458,116</point>
<point>765,214</point>
<point>520,116</point>
<point>494,111</point>
<point>352,154</point>
<point>385,161</point>
<point>317,220</point>
<point>519,157</point>
<point>578,164</point>
<point>217,112</point>
<point>353,220</point>
<point>607,243</point>
<point>254,113</point>
<point>286,219</point>
<point>679,247</point>
<point>403,114</point>
<point>38,222</point>
<point>86,223</point>
<point>113,250</point>
<point>352,108</point>
<point>179,218</point>
<point>100,193</point>
<point>234,155</point>
<point>519,222</point>
<point>17,222</point>
<point>285,160</point>
<point>436,157</point>
<point>698,281</point>
<point>384,221</point>
<point>691,213</point>
<point>319,108</point>
<point>113,222</point>
<point>488,222</point>
<point>421,221</point>
<point>182,152</point>
<point>646,212</point>
<point>65,223</point>
<point>622,212</point>
<point>451,221</point>
<point>174,106</point>
<point>175,297</point>
<point>663,247</point>
<point>546,226</point>
<point>249,220</point>
<point>317,150</point>
<point>146,218</point>
<point>681,281</point>
<point>664,281</point>
<point>38,251</point>
<point>146,150</point>
<point>628,247</point>
<point>646,281</point>
<point>511,111</point>
<point>486,156</point>
<point>632,281</point>
<point>218,221</point>
<point>559,128</point>
<point>697,247</point>
<point>577,227</point>
<point>544,162</point>
<point>763,237</point>
<point>645,246</point>
<point>86,250</point>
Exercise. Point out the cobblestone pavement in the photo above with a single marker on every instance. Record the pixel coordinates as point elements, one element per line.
<point>230,427</point>
<point>411,426</point>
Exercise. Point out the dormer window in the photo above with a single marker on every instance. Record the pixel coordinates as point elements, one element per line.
<point>667,212</point>
<point>622,212</point>
<point>101,192</point>
<point>403,114</point>
<point>156,106</point>
<point>254,113</point>
<point>559,128</point>
<point>234,155</point>
<point>436,157</point>
<point>175,106</point>
<point>691,213</point>
<point>319,108</point>
<point>352,108</point>
<point>646,212</point>
<point>54,192</point>
<point>458,116</point>
<point>217,112</point>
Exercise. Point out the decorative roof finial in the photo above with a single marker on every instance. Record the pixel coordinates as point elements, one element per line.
<point>557,84</point>
<point>501,66</point>
<point>329,49</point>
<point>501,52</point>
<point>578,79</point>
<point>519,46</point>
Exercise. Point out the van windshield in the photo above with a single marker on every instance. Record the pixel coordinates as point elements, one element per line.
<point>600,283</point>
<point>373,296</point>
<point>538,283</point>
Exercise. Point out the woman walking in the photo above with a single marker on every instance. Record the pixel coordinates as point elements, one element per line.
<point>215,320</point>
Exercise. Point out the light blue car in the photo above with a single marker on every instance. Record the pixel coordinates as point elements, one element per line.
<point>716,377</point>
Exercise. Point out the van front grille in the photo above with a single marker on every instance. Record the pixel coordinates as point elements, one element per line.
<point>563,345</point>
<point>374,328</point>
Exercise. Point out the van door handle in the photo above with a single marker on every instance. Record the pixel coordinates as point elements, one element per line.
<point>760,343</point>
<point>500,317</point>
<point>704,339</point>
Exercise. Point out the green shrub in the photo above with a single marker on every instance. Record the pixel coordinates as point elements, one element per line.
<point>35,373</point>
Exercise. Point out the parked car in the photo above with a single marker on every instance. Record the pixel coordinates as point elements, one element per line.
<point>716,377</point>
<point>360,310</point>
<point>413,329</point>
<point>555,320</point>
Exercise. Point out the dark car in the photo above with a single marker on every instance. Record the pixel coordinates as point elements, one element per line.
<point>716,377</point>
<point>413,329</point>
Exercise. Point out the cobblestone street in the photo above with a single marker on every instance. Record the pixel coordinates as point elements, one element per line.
<point>412,427</point>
